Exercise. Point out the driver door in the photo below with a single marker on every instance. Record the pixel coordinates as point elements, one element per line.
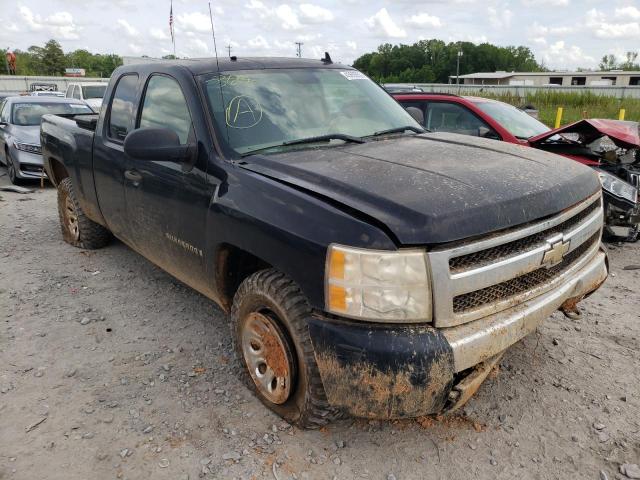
<point>167,201</point>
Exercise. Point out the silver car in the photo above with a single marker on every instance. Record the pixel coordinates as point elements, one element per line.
<point>20,131</point>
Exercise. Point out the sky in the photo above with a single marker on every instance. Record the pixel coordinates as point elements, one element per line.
<point>564,34</point>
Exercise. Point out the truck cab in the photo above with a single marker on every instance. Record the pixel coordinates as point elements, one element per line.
<point>368,267</point>
<point>91,92</point>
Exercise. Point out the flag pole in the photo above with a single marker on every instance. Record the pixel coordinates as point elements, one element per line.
<point>171,29</point>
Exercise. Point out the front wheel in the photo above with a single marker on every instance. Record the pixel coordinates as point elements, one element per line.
<point>271,336</point>
<point>11,169</point>
<point>77,229</point>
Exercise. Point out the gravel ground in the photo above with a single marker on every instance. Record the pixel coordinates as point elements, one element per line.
<point>110,368</point>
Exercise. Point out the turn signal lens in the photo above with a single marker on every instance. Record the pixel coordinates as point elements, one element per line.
<point>378,284</point>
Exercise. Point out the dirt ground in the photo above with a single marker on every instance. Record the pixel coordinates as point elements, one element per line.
<point>110,368</point>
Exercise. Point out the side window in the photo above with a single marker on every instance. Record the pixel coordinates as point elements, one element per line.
<point>122,108</point>
<point>165,107</point>
<point>76,92</point>
<point>69,91</point>
<point>454,118</point>
<point>415,104</point>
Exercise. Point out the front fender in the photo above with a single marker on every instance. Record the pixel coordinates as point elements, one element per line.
<point>289,229</point>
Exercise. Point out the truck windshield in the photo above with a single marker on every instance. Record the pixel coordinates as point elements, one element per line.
<point>518,123</point>
<point>274,109</point>
<point>93,91</point>
<point>30,114</point>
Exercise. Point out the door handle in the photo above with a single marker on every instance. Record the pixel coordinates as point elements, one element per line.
<point>134,176</point>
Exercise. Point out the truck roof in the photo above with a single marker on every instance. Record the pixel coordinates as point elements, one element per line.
<point>199,66</point>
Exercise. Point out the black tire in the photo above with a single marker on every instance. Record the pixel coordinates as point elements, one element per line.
<point>77,229</point>
<point>273,294</point>
<point>11,168</point>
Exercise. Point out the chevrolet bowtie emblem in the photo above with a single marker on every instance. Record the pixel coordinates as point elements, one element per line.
<point>557,249</point>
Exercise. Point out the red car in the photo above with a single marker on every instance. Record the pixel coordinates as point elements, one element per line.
<point>612,147</point>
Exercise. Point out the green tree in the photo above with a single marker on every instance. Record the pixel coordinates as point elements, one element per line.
<point>53,60</point>
<point>608,62</point>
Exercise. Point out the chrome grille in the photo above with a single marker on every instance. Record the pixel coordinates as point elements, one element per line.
<point>521,284</point>
<point>506,250</point>
<point>485,276</point>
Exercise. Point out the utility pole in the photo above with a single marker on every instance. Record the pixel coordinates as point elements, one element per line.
<point>458,70</point>
<point>229,50</point>
<point>299,48</point>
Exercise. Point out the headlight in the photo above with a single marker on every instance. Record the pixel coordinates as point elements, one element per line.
<point>618,187</point>
<point>378,284</point>
<point>28,147</point>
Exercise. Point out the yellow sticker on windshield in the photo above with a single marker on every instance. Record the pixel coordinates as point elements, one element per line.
<point>243,111</point>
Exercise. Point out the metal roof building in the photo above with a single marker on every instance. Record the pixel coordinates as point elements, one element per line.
<point>618,78</point>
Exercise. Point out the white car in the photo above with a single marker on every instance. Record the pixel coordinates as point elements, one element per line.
<point>91,93</point>
<point>47,93</point>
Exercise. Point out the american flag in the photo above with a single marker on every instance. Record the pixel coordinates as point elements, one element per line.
<point>171,22</point>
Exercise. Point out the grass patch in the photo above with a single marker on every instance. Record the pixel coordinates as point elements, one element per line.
<point>576,105</point>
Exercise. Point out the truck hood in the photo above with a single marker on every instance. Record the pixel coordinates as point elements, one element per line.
<point>623,134</point>
<point>95,103</point>
<point>435,188</point>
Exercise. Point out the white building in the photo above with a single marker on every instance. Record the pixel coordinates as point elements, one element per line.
<point>617,78</point>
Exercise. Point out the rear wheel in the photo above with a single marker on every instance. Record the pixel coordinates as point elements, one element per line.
<point>271,336</point>
<point>77,228</point>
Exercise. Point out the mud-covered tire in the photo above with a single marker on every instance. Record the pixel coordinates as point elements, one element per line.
<point>77,229</point>
<point>274,295</point>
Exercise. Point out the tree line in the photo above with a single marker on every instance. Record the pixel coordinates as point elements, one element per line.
<point>433,61</point>
<point>51,60</point>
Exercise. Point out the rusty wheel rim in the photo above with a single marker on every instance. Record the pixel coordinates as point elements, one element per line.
<point>268,357</point>
<point>71,218</point>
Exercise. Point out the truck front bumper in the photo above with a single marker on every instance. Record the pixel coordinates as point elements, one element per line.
<point>391,371</point>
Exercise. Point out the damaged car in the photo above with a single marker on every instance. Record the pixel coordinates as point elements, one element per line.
<point>610,146</point>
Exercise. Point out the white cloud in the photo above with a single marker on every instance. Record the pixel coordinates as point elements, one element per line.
<point>499,18</point>
<point>598,23</point>
<point>545,3</point>
<point>127,28</point>
<point>258,43</point>
<point>424,20</point>
<point>310,13</point>
<point>288,18</point>
<point>159,34</point>
<point>352,45</point>
<point>384,26</point>
<point>59,24</point>
<point>559,54</point>
<point>628,13</point>
<point>197,47</point>
<point>538,30</point>
<point>194,22</point>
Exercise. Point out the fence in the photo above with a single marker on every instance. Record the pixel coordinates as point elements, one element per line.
<point>17,84</point>
<point>521,90</point>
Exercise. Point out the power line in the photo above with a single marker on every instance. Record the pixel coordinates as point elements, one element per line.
<point>299,48</point>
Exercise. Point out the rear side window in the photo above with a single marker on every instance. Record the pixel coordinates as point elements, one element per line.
<point>76,92</point>
<point>122,108</point>
<point>69,90</point>
<point>451,117</point>
<point>165,107</point>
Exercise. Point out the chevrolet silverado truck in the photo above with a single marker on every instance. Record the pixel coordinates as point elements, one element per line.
<point>368,267</point>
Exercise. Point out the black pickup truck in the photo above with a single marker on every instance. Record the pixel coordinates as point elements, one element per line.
<point>368,266</point>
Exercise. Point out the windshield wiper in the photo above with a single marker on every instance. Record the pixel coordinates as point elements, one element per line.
<point>400,130</point>
<point>328,136</point>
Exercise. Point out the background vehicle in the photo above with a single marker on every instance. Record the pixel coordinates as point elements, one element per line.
<point>92,93</point>
<point>367,267</point>
<point>20,119</point>
<point>616,160</point>
<point>47,94</point>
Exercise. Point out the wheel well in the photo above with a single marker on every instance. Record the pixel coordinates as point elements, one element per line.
<point>58,171</point>
<point>233,265</point>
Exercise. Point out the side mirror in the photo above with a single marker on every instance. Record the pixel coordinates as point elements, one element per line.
<point>159,144</point>
<point>417,114</point>
<point>485,132</point>
<point>3,123</point>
